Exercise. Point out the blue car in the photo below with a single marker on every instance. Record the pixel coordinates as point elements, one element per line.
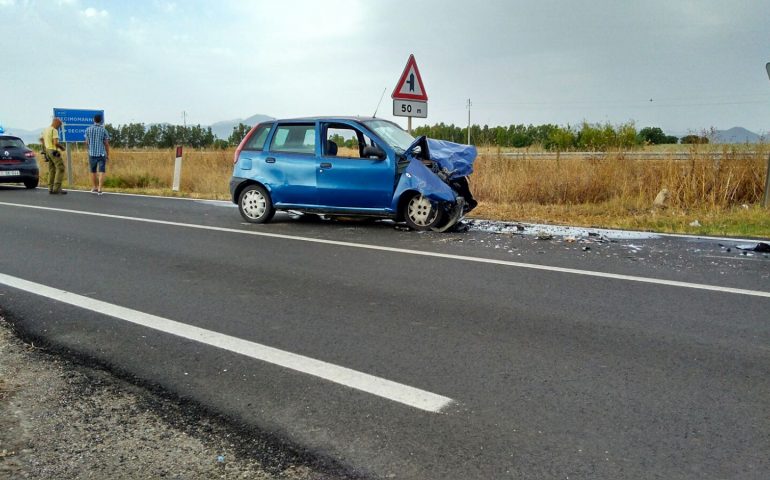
<point>351,166</point>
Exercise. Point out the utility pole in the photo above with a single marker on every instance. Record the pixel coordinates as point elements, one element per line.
<point>184,122</point>
<point>469,121</point>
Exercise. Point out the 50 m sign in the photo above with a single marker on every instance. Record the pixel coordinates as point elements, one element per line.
<point>410,108</point>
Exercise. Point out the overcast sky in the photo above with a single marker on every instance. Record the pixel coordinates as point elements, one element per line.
<point>683,65</point>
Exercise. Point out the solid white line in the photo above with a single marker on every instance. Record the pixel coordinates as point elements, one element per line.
<point>532,266</point>
<point>381,387</point>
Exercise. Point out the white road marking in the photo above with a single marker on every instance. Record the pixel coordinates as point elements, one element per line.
<point>381,387</point>
<point>532,266</point>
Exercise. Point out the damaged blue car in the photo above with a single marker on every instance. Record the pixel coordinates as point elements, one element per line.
<point>351,166</point>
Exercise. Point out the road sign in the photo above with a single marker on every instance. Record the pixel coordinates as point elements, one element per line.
<point>408,108</point>
<point>75,122</point>
<point>409,86</point>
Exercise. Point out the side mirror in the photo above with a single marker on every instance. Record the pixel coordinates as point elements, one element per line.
<point>377,152</point>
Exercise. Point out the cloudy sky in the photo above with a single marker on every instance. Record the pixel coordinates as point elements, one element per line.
<point>683,65</point>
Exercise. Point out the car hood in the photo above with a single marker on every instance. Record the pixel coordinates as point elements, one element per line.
<point>454,159</point>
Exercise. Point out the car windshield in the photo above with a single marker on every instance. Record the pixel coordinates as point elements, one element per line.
<point>391,133</point>
<point>11,142</point>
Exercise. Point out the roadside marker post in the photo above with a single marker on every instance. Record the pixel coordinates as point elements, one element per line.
<point>177,169</point>
<point>409,97</point>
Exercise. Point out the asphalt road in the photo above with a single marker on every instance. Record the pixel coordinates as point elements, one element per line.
<point>445,356</point>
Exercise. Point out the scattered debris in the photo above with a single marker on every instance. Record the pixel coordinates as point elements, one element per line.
<point>544,236</point>
<point>401,227</point>
<point>754,247</point>
<point>695,223</point>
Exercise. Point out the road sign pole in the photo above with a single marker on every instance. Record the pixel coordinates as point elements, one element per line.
<point>767,184</point>
<point>767,178</point>
<point>409,125</point>
<point>69,166</point>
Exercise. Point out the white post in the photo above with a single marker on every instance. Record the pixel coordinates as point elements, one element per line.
<point>177,169</point>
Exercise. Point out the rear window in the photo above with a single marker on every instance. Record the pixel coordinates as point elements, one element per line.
<point>294,138</point>
<point>11,142</point>
<point>257,140</point>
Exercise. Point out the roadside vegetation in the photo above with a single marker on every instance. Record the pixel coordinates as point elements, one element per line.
<point>719,186</point>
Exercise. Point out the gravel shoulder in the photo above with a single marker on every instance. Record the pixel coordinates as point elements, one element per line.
<point>63,419</point>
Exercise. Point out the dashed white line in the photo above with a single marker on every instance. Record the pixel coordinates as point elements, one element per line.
<point>380,387</point>
<point>531,266</point>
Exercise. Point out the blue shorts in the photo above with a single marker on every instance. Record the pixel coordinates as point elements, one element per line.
<point>99,163</point>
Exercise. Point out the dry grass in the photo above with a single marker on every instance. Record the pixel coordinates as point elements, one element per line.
<point>614,191</point>
<point>205,174</point>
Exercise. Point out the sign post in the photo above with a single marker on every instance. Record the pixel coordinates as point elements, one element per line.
<point>409,97</point>
<point>767,178</point>
<point>73,129</point>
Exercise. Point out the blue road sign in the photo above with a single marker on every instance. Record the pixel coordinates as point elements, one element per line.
<point>75,122</point>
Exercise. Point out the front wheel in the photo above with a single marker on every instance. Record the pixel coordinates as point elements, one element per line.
<point>255,204</point>
<point>422,214</point>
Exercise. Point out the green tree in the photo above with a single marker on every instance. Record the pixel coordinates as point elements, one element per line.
<point>239,131</point>
<point>652,135</point>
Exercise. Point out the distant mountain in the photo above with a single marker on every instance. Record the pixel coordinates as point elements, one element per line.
<point>736,135</point>
<point>29,136</point>
<point>224,129</point>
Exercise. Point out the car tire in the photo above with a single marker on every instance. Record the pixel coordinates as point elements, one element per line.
<point>255,204</point>
<point>32,183</point>
<point>421,214</point>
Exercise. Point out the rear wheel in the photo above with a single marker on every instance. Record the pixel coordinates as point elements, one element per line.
<point>31,183</point>
<point>255,204</point>
<point>421,214</point>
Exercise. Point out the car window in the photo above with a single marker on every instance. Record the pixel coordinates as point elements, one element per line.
<point>391,133</point>
<point>294,138</point>
<point>10,142</point>
<point>344,141</point>
<point>257,140</point>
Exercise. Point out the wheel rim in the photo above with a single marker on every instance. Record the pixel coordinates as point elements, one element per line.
<point>421,211</point>
<point>254,204</point>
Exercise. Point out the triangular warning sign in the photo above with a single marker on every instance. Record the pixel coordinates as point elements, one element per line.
<point>410,86</point>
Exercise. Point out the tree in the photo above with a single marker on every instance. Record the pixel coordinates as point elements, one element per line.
<point>694,140</point>
<point>652,136</point>
<point>239,131</point>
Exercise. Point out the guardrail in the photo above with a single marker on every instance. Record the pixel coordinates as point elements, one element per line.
<point>638,155</point>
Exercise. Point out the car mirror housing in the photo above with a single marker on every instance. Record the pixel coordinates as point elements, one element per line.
<point>372,151</point>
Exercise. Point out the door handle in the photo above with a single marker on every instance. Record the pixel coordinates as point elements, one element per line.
<point>326,165</point>
<point>270,160</point>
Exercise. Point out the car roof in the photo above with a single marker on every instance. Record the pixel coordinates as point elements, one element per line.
<point>3,135</point>
<point>324,119</point>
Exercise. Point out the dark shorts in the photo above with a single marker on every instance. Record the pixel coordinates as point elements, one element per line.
<point>97,163</point>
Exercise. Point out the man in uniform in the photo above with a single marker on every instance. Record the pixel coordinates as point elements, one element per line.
<point>52,152</point>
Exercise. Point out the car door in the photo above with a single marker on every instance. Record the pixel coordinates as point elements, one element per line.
<point>346,179</point>
<point>291,160</point>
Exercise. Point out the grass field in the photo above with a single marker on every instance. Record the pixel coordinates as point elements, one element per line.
<point>722,192</point>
